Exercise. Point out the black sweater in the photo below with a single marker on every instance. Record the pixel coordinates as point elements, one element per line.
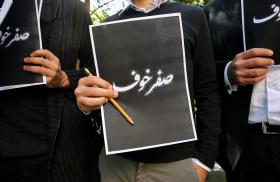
<point>202,84</point>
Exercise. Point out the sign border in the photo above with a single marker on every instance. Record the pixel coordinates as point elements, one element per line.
<point>186,83</point>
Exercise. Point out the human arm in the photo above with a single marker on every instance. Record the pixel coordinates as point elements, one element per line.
<point>249,67</point>
<point>206,94</point>
<point>85,54</point>
<point>201,170</point>
<point>237,73</point>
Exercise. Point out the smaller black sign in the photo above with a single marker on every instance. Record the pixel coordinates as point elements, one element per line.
<point>19,37</point>
<point>261,25</point>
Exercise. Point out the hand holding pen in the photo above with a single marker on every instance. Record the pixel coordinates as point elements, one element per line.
<point>93,92</point>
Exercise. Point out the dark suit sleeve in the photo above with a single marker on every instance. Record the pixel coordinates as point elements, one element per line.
<point>85,55</point>
<point>206,93</point>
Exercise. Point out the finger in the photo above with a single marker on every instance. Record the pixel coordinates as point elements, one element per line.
<point>257,62</point>
<point>39,70</point>
<point>95,81</point>
<point>34,60</point>
<point>95,92</point>
<point>246,81</point>
<point>88,109</point>
<point>51,61</point>
<point>44,53</point>
<point>256,52</point>
<point>41,61</point>
<point>91,102</point>
<point>53,65</point>
<point>254,73</point>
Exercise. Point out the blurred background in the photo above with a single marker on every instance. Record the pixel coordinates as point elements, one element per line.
<point>101,9</point>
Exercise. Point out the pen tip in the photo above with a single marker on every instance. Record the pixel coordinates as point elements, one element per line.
<point>132,122</point>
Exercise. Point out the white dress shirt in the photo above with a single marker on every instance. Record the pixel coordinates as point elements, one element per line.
<point>153,5</point>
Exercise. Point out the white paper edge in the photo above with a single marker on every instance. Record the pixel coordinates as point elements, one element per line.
<point>7,7</point>
<point>40,7</point>
<point>186,83</point>
<point>19,86</point>
<point>243,25</point>
<point>39,31</point>
<point>186,77</point>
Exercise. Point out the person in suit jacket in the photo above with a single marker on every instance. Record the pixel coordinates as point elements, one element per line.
<point>43,135</point>
<point>246,152</point>
<point>176,162</point>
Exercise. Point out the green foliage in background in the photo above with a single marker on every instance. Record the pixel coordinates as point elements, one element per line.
<point>99,14</point>
<point>195,2</point>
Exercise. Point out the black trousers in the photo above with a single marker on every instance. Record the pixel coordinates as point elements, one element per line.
<point>23,169</point>
<point>260,159</point>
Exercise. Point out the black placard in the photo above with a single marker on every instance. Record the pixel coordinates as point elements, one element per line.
<point>144,60</point>
<point>19,37</point>
<point>261,25</point>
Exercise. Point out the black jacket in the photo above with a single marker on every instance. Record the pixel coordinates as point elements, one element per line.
<point>71,154</point>
<point>226,32</point>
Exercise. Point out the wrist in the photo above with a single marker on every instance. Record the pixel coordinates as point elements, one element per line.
<point>64,82</point>
<point>200,172</point>
<point>85,112</point>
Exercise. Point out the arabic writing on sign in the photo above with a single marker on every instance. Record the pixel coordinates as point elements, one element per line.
<point>7,38</point>
<point>146,81</point>
<point>4,10</point>
<point>276,12</point>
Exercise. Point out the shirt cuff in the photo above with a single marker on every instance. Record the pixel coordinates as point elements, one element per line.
<point>85,113</point>
<point>230,88</point>
<point>201,164</point>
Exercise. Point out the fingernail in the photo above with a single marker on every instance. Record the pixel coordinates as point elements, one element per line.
<point>270,52</point>
<point>116,94</point>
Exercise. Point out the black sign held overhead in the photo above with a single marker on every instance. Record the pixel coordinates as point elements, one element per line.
<point>261,25</point>
<point>19,37</point>
<point>144,60</point>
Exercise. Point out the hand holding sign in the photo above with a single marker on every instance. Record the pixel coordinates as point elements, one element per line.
<point>46,63</point>
<point>4,10</point>
<point>249,67</point>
